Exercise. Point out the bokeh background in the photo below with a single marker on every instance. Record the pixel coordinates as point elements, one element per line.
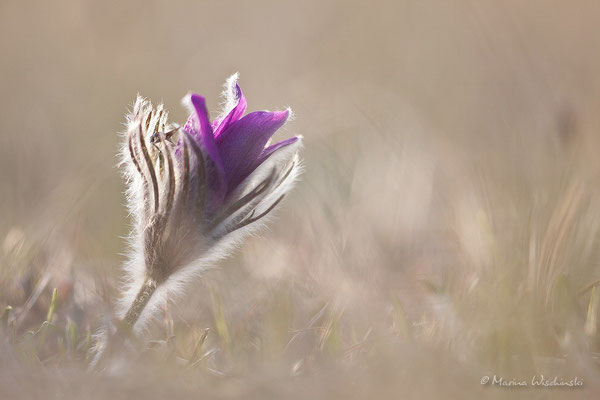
<point>445,228</point>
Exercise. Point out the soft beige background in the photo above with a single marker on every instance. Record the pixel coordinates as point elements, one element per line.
<point>448,144</point>
<point>483,72</point>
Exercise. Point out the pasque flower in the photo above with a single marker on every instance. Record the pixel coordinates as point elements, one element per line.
<point>195,191</point>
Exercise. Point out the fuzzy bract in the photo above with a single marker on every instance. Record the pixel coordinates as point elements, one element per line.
<point>196,191</point>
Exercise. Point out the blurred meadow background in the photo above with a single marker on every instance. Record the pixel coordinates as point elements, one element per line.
<point>446,227</point>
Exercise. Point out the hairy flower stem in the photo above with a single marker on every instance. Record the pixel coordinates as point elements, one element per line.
<point>133,314</point>
<point>142,298</point>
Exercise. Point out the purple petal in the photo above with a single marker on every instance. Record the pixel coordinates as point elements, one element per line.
<point>203,133</point>
<point>235,113</point>
<point>243,142</point>
<point>271,149</point>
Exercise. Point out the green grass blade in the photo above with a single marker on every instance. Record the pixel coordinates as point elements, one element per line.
<point>5,316</point>
<point>591,322</point>
<point>52,306</point>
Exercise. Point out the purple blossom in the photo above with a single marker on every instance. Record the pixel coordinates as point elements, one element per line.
<point>234,143</point>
